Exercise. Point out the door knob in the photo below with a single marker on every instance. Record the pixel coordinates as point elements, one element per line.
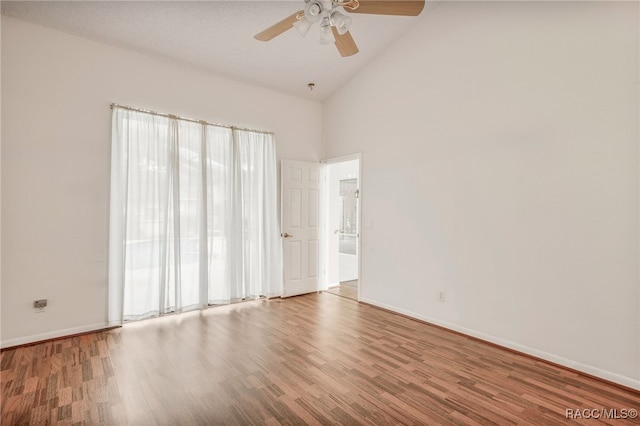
<point>287,235</point>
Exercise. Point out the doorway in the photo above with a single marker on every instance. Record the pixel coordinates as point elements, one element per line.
<point>342,231</point>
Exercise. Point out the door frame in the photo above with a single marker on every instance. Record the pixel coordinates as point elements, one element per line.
<point>323,230</point>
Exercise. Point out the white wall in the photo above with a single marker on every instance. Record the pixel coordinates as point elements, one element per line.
<point>55,162</point>
<point>500,161</point>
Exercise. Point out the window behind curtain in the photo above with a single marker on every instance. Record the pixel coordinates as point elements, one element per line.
<point>193,216</point>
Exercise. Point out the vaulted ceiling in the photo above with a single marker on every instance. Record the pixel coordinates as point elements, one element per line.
<point>218,35</point>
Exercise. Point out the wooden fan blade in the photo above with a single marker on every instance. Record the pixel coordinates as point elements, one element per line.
<point>279,28</point>
<point>345,44</point>
<point>386,7</point>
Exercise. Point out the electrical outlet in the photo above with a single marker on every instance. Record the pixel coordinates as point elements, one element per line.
<point>441,296</point>
<point>40,305</point>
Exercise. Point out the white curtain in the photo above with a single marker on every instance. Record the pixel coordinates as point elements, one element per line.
<point>193,216</point>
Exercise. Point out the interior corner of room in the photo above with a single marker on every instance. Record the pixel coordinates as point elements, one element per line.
<point>482,174</point>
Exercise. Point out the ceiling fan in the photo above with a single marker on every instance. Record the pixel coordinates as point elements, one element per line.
<point>334,25</point>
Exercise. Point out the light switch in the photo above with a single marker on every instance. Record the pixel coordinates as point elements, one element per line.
<point>367,224</point>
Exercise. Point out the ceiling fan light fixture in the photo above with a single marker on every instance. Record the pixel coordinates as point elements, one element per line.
<point>341,22</point>
<point>326,35</point>
<point>303,25</point>
<point>313,10</point>
<point>325,21</point>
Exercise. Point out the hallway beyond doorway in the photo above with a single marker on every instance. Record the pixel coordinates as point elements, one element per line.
<point>342,229</point>
<point>348,289</point>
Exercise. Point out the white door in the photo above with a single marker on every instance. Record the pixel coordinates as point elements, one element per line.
<point>300,222</point>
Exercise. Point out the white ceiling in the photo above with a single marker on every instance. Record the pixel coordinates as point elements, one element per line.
<point>218,35</point>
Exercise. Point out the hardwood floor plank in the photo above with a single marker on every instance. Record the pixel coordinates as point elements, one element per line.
<point>309,360</point>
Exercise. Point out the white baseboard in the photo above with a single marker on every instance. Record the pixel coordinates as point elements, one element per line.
<point>588,369</point>
<point>52,335</point>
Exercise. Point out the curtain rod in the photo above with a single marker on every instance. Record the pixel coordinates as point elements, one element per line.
<point>177,117</point>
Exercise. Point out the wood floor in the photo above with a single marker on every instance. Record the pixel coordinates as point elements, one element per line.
<point>314,359</point>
